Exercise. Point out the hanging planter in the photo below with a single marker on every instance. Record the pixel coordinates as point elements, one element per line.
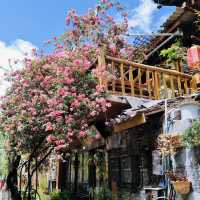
<point>180,182</point>
<point>193,57</point>
<point>182,187</point>
<point>169,143</point>
<point>174,56</point>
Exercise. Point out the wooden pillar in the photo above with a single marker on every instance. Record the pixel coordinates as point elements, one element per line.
<point>82,166</point>
<point>120,172</point>
<point>62,175</point>
<point>101,168</point>
<point>180,66</point>
<point>135,168</point>
<point>76,168</point>
<point>58,177</point>
<point>101,64</point>
<point>92,171</point>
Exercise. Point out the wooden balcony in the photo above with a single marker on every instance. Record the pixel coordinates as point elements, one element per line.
<point>125,78</point>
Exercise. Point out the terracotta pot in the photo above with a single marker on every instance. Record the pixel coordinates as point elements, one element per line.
<point>182,187</point>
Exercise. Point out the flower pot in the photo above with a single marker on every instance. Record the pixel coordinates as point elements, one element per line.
<point>182,187</point>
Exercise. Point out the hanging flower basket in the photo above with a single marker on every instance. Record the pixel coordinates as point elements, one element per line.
<point>182,187</point>
<point>169,143</point>
<point>180,182</point>
<point>176,141</point>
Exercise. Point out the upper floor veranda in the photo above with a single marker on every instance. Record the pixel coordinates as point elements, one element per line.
<point>126,78</point>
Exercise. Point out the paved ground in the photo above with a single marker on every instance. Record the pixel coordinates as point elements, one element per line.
<point>128,196</point>
<point>5,195</point>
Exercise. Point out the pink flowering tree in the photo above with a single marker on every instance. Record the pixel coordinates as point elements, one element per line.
<point>55,97</point>
<point>50,106</point>
<point>53,100</point>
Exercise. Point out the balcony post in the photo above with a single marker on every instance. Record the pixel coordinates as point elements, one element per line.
<point>101,64</point>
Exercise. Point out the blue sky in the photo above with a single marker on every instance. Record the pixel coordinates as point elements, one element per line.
<point>38,20</point>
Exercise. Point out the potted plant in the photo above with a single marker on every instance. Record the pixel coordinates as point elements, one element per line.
<point>180,182</point>
<point>191,139</point>
<point>174,55</point>
<point>191,136</point>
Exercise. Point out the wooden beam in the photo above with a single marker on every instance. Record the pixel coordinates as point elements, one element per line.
<point>160,45</point>
<point>135,121</point>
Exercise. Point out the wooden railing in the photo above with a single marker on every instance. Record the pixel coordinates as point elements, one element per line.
<point>127,78</point>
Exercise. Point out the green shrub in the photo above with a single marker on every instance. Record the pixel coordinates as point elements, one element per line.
<point>61,196</point>
<point>191,136</point>
<point>102,193</point>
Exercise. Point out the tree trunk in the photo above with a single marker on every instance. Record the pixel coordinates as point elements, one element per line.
<point>29,180</point>
<point>12,176</point>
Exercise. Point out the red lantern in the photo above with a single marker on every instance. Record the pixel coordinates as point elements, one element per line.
<point>193,57</point>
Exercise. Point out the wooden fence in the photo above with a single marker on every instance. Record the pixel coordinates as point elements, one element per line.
<point>132,79</point>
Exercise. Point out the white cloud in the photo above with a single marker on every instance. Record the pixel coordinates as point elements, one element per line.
<point>142,16</point>
<point>16,51</point>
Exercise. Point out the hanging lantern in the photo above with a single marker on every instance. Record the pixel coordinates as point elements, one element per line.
<point>193,57</point>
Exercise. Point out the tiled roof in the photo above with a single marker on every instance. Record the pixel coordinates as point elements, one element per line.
<point>149,107</point>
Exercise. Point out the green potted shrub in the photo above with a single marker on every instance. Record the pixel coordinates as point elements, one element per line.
<point>191,139</point>
<point>174,55</point>
<point>191,136</point>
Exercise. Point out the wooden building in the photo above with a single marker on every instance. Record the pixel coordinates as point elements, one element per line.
<point>137,93</point>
